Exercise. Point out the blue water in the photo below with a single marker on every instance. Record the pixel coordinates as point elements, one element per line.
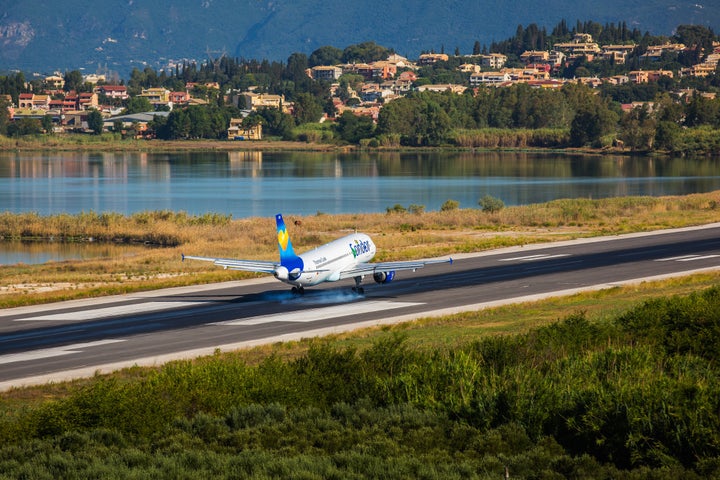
<point>246,184</point>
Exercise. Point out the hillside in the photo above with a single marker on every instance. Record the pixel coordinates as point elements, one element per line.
<point>37,36</point>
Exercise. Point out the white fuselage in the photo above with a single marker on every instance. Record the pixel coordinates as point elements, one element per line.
<point>324,264</point>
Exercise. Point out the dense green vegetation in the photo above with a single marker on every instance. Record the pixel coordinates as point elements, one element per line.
<point>634,396</point>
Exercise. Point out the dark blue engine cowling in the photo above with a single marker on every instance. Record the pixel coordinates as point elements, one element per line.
<point>383,277</point>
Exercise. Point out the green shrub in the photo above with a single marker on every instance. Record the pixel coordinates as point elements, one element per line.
<point>491,204</point>
<point>450,205</point>
<point>397,208</point>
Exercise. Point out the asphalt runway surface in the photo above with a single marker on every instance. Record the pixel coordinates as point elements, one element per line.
<point>62,341</point>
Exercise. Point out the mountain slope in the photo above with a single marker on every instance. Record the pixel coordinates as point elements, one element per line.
<point>121,34</point>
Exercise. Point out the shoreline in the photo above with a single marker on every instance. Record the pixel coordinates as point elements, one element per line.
<point>92,144</point>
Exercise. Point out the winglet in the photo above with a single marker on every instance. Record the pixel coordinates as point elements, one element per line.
<point>451,260</point>
<point>183,256</point>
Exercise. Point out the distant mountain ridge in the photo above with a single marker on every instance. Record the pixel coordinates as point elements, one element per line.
<point>117,35</point>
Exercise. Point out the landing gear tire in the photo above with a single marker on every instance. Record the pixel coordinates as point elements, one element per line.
<point>357,288</point>
<point>298,290</point>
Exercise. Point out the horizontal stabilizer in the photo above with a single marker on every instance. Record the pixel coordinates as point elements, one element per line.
<point>259,266</point>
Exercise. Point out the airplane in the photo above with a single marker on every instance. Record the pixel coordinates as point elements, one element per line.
<point>346,257</point>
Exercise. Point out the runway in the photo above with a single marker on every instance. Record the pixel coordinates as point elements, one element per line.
<point>61,341</point>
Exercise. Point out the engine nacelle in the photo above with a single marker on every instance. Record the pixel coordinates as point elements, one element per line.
<point>383,277</point>
<point>282,274</point>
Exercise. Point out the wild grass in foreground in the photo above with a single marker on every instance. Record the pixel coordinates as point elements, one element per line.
<point>628,393</point>
<point>398,236</point>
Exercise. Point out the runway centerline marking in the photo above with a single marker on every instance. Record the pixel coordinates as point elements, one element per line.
<point>117,311</point>
<point>687,258</point>
<point>316,314</point>
<point>52,352</point>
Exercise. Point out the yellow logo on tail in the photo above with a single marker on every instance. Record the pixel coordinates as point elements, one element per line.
<point>283,238</point>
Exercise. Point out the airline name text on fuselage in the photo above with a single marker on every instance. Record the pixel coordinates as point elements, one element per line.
<point>360,247</point>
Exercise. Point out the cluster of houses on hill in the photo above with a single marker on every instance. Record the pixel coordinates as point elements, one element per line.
<point>382,81</point>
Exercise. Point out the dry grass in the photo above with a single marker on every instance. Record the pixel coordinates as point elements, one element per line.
<point>397,235</point>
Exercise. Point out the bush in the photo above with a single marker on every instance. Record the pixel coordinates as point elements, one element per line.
<point>397,208</point>
<point>491,204</point>
<point>450,205</point>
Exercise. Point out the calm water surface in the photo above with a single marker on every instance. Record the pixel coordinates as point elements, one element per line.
<point>12,253</point>
<point>246,184</point>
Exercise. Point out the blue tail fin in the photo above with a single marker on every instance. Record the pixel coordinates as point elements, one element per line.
<point>287,254</point>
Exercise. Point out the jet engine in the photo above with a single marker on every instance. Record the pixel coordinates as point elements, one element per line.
<point>282,274</point>
<point>383,277</point>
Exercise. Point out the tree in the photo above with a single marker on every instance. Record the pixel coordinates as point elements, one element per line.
<point>177,126</point>
<point>138,105</point>
<point>307,109</point>
<point>326,55</point>
<point>638,129</point>
<point>4,115</point>
<point>667,135</point>
<point>296,65</point>
<point>95,122</point>
<point>47,123</point>
<point>353,128</point>
<point>585,128</point>
<point>366,52</point>
<point>276,123</point>
<point>436,124</point>
<point>73,81</point>
<point>398,117</point>
<point>702,111</point>
<point>24,126</point>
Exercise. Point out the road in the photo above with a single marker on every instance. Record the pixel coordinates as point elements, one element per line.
<point>73,339</point>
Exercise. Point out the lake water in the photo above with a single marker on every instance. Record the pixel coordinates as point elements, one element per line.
<point>246,184</point>
<point>12,253</point>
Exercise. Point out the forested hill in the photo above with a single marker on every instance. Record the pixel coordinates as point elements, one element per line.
<point>119,34</point>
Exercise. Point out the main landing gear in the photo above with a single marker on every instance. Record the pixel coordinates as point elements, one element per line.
<point>358,288</point>
<point>298,291</point>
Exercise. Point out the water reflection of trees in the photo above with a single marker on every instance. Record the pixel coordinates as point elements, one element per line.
<point>118,165</point>
<point>36,252</point>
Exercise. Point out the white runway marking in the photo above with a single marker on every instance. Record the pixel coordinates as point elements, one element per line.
<point>321,313</point>
<point>530,258</point>
<point>117,311</point>
<point>687,258</point>
<point>52,352</point>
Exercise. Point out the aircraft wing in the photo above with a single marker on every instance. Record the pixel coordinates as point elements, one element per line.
<point>371,268</point>
<point>260,266</point>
